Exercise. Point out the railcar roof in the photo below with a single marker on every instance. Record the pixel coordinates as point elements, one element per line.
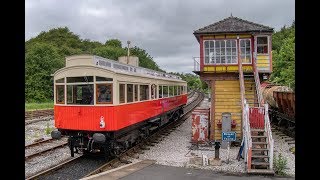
<point>115,66</point>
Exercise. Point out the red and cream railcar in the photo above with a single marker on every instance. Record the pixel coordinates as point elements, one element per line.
<point>105,105</point>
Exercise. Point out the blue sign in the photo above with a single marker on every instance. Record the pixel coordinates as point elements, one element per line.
<point>228,136</point>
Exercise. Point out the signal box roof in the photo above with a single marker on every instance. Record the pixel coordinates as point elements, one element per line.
<point>233,25</point>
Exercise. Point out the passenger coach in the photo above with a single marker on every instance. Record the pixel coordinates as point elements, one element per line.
<point>106,105</point>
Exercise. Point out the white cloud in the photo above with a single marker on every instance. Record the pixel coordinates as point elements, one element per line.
<point>163,28</point>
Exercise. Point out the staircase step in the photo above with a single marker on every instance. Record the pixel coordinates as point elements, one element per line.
<point>257,130</point>
<point>260,156</point>
<point>259,136</point>
<point>259,149</point>
<point>255,143</point>
<point>261,171</point>
<point>259,163</point>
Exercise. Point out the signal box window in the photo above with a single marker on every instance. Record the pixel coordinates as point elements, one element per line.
<point>262,45</point>
<point>60,94</point>
<point>104,93</point>
<point>144,92</point>
<point>122,93</point>
<point>129,92</point>
<point>80,94</point>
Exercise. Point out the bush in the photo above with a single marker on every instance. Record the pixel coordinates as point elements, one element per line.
<point>48,129</point>
<point>279,164</point>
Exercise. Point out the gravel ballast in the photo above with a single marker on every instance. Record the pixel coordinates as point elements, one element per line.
<point>173,150</point>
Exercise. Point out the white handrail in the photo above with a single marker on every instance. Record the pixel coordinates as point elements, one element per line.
<point>247,133</point>
<point>269,134</point>
<point>257,81</point>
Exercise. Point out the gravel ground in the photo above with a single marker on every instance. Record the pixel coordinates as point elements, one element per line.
<point>44,146</point>
<point>174,150</point>
<point>280,146</point>
<point>37,130</point>
<point>49,159</point>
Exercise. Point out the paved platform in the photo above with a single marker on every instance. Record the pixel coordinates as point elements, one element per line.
<point>147,169</point>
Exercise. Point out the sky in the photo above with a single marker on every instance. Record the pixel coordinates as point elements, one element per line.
<point>164,28</point>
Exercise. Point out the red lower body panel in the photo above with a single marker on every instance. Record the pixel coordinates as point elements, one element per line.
<point>116,117</point>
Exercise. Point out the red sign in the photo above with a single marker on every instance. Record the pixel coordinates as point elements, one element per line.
<point>200,125</point>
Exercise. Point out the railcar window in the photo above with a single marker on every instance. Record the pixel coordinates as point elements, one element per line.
<point>262,45</point>
<point>160,91</point>
<point>181,89</point>
<point>165,91</point>
<point>178,90</point>
<point>80,94</point>
<point>129,92</point>
<point>122,93</point>
<point>60,80</point>
<point>60,94</point>
<point>99,78</point>
<point>153,91</point>
<point>171,91</point>
<point>80,79</point>
<point>104,93</point>
<point>144,92</point>
<point>136,92</point>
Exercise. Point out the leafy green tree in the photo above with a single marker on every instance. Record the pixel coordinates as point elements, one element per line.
<point>109,52</point>
<point>114,43</point>
<point>284,64</point>
<point>283,56</point>
<point>41,61</point>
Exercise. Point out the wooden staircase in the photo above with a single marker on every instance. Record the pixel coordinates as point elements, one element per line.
<point>250,90</point>
<point>260,161</point>
<point>258,141</point>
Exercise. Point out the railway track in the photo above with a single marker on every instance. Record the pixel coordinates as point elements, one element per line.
<point>36,114</point>
<point>289,140</point>
<point>62,171</point>
<point>41,147</point>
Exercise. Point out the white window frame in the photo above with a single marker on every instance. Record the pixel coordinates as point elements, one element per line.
<point>256,44</point>
<point>214,52</point>
<point>245,51</point>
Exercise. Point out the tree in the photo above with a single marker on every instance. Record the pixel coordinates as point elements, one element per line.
<point>41,61</point>
<point>109,52</point>
<point>114,43</point>
<point>283,45</point>
<point>284,64</point>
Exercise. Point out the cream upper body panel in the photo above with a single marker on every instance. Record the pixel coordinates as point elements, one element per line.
<point>86,65</point>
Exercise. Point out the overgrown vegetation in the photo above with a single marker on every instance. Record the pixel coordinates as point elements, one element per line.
<point>48,129</point>
<point>46,53</point>
<point>283,56</point>
<point>279,164</point>
<point>35,106</point>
